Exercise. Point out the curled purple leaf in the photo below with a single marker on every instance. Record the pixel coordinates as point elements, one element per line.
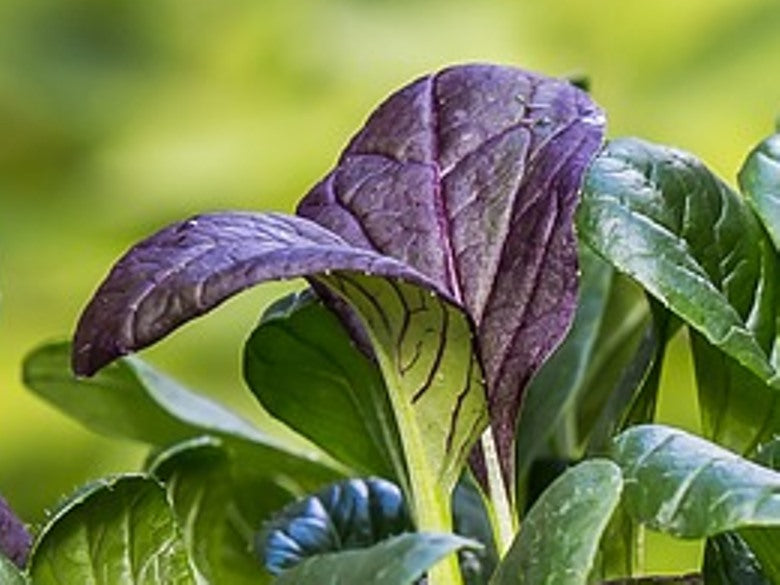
<point>464,182</point>
<point>15,540</point>
<point>191,267</point>
<point>471,176</point>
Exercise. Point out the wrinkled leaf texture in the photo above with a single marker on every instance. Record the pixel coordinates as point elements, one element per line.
<point>119,531</point>
<point>678,483</point>
<point>464,183</point>
<point>659,215</point>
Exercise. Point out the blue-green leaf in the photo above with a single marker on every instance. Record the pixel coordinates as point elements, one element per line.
<point>759,179</point>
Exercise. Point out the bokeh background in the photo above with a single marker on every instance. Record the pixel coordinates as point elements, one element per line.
<point>119,116</point>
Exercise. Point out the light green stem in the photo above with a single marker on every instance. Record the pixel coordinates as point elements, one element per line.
<point>505,522</point>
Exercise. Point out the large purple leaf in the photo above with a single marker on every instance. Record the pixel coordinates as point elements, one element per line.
<point>189,268</point>
<point>471,176</point>
<point>464,183</point>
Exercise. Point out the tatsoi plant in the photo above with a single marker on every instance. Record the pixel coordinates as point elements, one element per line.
<point>480,381</point>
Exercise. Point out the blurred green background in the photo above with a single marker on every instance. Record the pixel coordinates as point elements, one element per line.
<point>119,116</point>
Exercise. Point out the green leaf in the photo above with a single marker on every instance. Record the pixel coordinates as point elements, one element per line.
<point>759,179</point>
<point>305,370</point>
<point>557,385</point>
<point>681,484</point>
<point>219,505</point>
<point>558,540</point>
<point>119,532</point>
<point>130,399</point>
<point>739,411</point>
<point>10,574</point>
<point>423,345</point>
<point>729,561</point>
<point>663,218</point>
<point>472,520</point>
<point>400,560</point>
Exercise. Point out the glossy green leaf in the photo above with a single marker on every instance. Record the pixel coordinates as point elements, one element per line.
<point>663,218</point>
<point>739,410</point>
<point>759,179</point>
<point>559,539</point>
<point>119,532</point>
<point>303,367</point>
<point>729,561</point>
<point>130,399</point>
<point>555,388</point>
<point>10,574</point>
<point>684,485</point>
<point>219,505</point>
<point>400,560</point>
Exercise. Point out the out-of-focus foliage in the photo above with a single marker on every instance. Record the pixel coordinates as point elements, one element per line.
<point>118,117</point>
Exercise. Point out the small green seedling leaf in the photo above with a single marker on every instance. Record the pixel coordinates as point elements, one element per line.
<point>559,539</point>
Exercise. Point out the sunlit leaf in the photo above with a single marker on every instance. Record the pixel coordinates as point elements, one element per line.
<point>119,532</point>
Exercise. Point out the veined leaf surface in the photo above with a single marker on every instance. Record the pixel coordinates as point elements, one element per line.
<point>662,217</point>
<point>681,484</point>
<point>119,532</point>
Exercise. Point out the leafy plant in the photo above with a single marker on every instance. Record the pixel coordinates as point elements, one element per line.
<point>442,361</point>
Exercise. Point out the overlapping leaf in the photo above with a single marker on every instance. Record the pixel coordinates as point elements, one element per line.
<point>759,178</point>
<point>120,531</point>
<point>559,538</point>
<point>463,183</point>
<point>219,504</point>
<point>660,216</point>
<point>689,487</point>
<point>131,399</point>
<point>304,369</point>
<point>400,560</point>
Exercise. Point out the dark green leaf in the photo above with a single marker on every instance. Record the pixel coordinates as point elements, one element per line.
<point>552,392</point>
<point>471,520</point>
<point>558,540</point>
<point>769,454</point>
<point>400,560</point>
<point>132,400</point>
<point>352,514</point>
<point>760,181</point>
<point>739,411</point>
<point>305,370</point>
<point>660,216</point>
<point>119,532</point>
<point>681,484</point>
<point>618,363</point>
<point>729,561</point>
<point>219,505</point>
<point>621,550</point>
<point>10,574</point>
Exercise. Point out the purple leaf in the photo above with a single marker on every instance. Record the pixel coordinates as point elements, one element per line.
<point>15,541</point>
<point>189,268</point>
<point>464,182</point>
<point>471,176</point>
